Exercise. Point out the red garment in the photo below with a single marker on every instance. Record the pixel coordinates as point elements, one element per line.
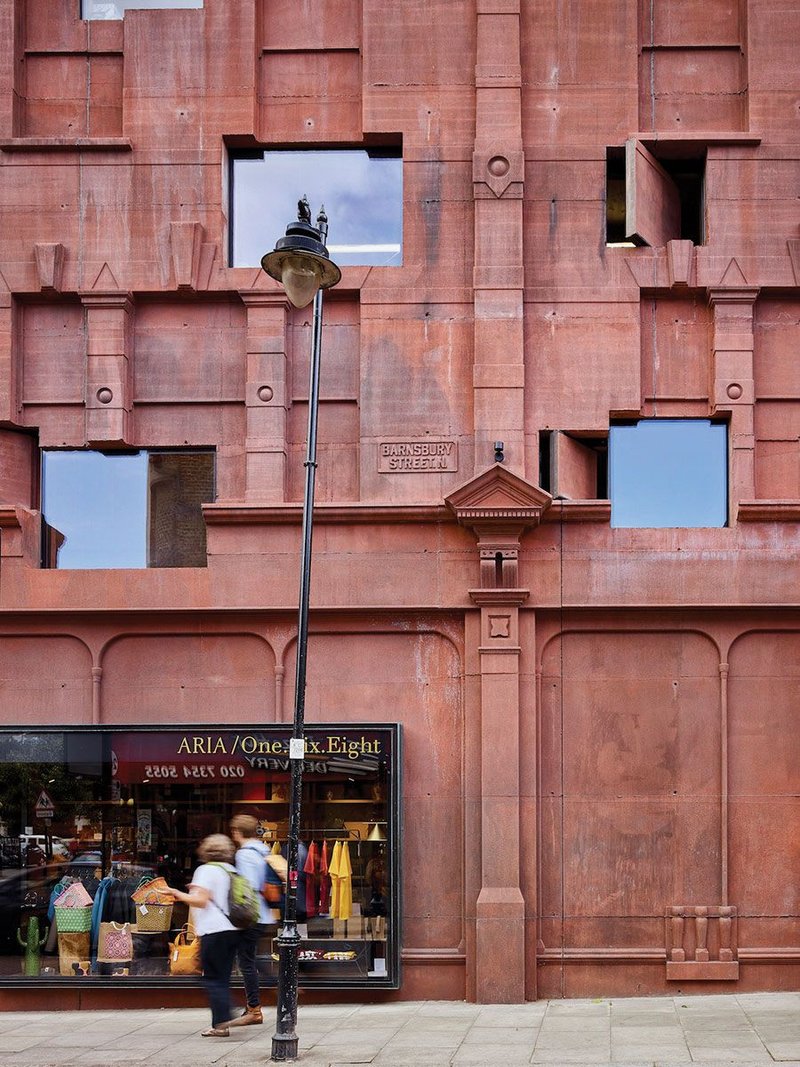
<point>324,881</point>
<point>311,870</point>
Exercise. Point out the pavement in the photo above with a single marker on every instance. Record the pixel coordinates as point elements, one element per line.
<point>747,1029</point>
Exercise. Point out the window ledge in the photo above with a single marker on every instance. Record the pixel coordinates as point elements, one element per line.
<point>277,514</point>
<point>698,137</point>
<point>578,511</point>
<point>66,144</point>
<point>768,511</point>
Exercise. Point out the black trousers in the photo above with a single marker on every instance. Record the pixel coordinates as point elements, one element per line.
<point>217,952</point>
<point>248,946</point>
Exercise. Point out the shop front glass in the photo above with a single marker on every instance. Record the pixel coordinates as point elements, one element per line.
<point>92,820</point>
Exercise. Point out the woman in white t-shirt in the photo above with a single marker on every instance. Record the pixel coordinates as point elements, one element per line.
<point>219,938</point>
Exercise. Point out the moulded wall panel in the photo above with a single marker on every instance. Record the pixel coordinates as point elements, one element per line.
<point>19,461</point>
<point>676,348</point>
<point>337,451</point>
<point>58,426</point>
<point>437,245</point>
<point>175,425</point>
<point>285,24</point>
<point>685,89</point>
<point>340,356</point>
<point>763,865</point>
<point>638,766</point>
<point>73,95</point>
<point>777,470</point>
<point>565,244</point>
<point>777,420</point>
<point>105,96</point>
<point>567,180</point>
<point>46,329</point>
<point>775,364</point>
<point>56,27</point>
<point>611,742</point>
<point>313,96</point>
<point>582,362</point>
<point>416,370</point>
<point>764,744</point>
<point>189,351</point>
<point>752,179</point>
<point>775,110</point>
<point>432,119</point>
<point>43,202</point>
<point>636,857</point>
<point>562,45</point>
<point>570,115</point>
<point>189,678</point>
<point>45,680</point>
<point>419,42</point>
<point>773,32</point>
<point>692,22</point>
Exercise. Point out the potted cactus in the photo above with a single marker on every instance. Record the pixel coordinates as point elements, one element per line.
<point>32,965</point>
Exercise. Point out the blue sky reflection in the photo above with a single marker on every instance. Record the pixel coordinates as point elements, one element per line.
<point>362,195</point>
<point>669,473</point>
<point>99,503</point>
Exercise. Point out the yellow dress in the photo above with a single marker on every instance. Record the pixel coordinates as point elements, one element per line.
<point>333,871</point>
<point>345,883</point>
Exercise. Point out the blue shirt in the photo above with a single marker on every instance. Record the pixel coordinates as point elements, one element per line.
<point>251,861</point>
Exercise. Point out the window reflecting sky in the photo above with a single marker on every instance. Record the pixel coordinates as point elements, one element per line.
<point>99,503</point>
<point>363,199</point>
<point>115,9</point>
<point>669,472</point>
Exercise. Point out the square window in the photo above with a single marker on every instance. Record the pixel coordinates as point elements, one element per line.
<point>140,509</point>
<point>361,190</point>
<point>669,472</point>
<point>652,199</point>
<point>115,9</point>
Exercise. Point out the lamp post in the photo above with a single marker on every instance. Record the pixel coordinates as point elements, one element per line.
<point>301,264</point>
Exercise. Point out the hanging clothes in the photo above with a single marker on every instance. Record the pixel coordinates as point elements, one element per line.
<point>345,883</point>
<point>333,871</point>
<point>341,873</point>
<point>324,882</point>
<point>311,869</point>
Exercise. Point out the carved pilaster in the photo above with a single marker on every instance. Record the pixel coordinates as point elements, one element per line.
<point>266,396</point>
<point>499,506</point>
<point>498,176</point>
<point>733,387</point>
<point>109,367</point>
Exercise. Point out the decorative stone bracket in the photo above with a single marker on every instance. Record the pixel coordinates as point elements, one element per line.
<point>499,506</point>
<point>701,943</point>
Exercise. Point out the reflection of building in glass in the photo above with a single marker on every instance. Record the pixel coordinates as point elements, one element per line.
<point>128,809</point>
<point>177,487</point>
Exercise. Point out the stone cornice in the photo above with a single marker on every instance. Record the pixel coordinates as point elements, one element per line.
<point>292,514</point>
<point>768,511</point>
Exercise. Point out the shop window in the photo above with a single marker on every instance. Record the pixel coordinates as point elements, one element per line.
<point>94,814</point>
<point>668,472</point>
<point>573,466</point>
<point>361,190</point>
<point>654,199</point>
<point>115,9</point>
<point>137,509</point>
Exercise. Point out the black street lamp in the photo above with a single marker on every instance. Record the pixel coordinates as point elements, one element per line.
<point>301,264</point>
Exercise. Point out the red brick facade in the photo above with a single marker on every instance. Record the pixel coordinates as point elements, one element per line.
<point>601,742</point>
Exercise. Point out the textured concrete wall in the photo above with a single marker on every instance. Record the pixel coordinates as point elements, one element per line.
<point>592,715</point>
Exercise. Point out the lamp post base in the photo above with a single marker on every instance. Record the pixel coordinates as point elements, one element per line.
<point>284,1047</point>
<point>284,1040</point>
